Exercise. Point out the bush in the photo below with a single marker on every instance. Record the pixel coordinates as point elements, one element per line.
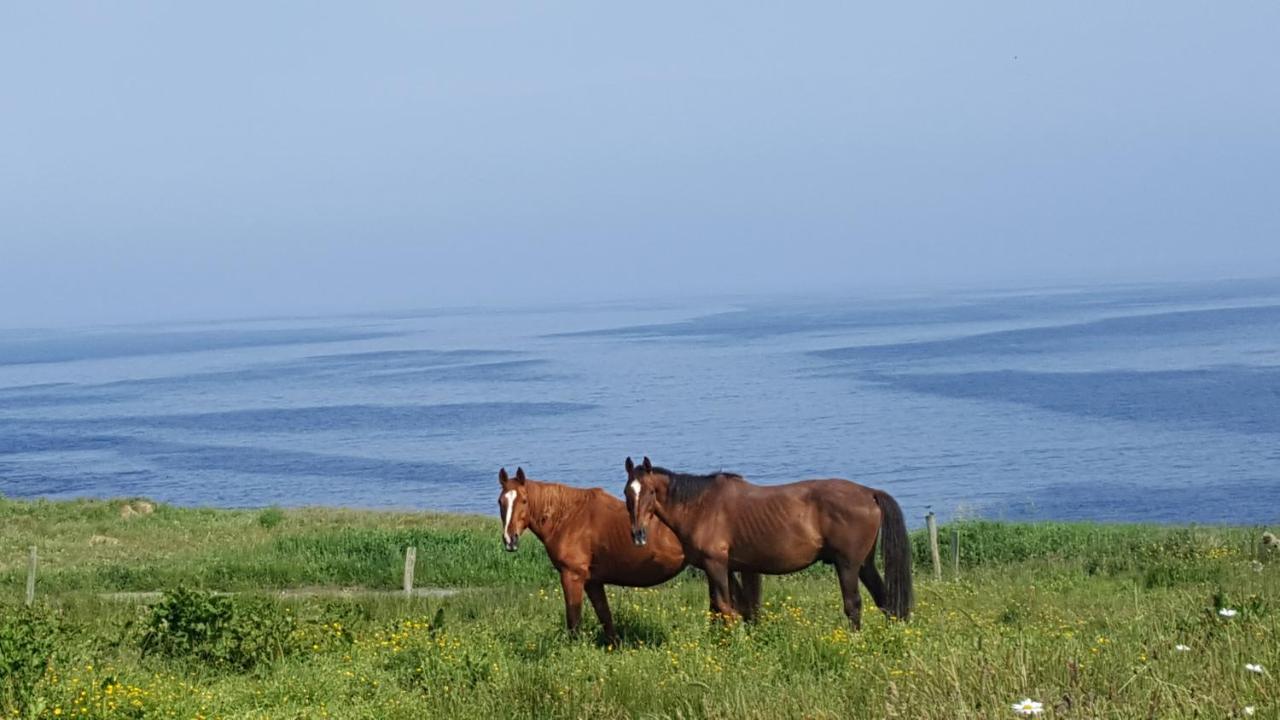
<point>27,642</point>
<point>235,633</point>
<point>271,517</point>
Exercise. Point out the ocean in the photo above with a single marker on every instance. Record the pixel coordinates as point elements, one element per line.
<point>1124,403</point>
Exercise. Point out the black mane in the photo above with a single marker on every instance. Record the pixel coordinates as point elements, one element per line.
<point>684,487</point>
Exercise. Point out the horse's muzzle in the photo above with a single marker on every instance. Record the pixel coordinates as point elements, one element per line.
<point>639,537</point>
<point>511,545</point>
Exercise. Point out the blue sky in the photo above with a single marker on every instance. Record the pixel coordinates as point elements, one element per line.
<point>222,159</point>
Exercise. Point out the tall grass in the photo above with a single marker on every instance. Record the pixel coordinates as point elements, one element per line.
<point>87,545</point>
<point>1083,618</point>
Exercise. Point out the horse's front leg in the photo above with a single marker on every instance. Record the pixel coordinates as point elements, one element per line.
<point>571,583</point>
<point>599,601</point>
<point>719,584</point>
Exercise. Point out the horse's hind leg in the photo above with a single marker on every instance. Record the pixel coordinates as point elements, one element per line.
<point>875,584</point>
<point>748,602</point>
<point>848,574</point>
<point>745,594</point>
<point>595,592</point>
<point>736,594</point>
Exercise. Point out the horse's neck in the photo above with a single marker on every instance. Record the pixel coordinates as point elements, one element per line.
<point>683,515</point>
<point>679,517</point>
<point>550,505</point>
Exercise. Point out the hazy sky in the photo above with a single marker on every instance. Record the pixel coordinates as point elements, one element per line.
<point>210,159</point>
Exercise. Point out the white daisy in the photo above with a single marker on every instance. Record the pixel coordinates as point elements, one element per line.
<point>1228,613</point>
<point>1028,707</point>
<point>1253,668</point>
<point>1181,648</point>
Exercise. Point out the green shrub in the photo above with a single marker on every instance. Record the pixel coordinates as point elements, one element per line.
<point>271,517</point>
<point>235,633</point>
<point>27,643</point>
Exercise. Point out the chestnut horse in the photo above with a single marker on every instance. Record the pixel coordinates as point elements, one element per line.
<point>587,537</point>
<point>725,523</point>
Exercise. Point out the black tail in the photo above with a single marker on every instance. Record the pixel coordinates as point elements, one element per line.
<point>896,545</point>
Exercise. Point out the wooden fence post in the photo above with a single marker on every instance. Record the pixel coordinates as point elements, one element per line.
<point>31,578</point>
<point>410,560</point>
<point>932,523</point>
<point>955,550</point>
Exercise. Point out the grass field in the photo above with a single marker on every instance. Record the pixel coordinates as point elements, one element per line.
<point>1085,619</point>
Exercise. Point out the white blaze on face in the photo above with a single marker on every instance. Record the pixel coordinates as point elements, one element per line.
<point>634,487</point>
<point>507,511</point>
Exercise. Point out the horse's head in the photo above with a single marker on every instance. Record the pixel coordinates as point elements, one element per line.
<point>641,491</point>
<point>513,506</point>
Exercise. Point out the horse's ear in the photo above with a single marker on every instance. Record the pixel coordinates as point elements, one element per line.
<point>502,477</point>
<point>519,476</point>
<point>630,465</point>
<point>648,466</point>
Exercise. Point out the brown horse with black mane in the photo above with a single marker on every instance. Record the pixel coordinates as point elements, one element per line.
<point>725,523</point>
<point>587,535</point>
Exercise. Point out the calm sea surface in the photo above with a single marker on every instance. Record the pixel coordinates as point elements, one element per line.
<point>1156,403</point>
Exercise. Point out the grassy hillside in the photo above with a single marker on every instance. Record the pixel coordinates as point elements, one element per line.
<point>1083,618</point>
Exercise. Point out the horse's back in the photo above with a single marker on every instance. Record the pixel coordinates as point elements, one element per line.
<point>823,494</point>
<point>840,497</point>
<point>778,528</point>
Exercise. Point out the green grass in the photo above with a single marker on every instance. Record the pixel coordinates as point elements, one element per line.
<point>1081,617</point>
<point>87,546</point>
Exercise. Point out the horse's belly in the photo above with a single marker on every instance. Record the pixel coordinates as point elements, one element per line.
<point>775,560</point>
<point>638,570</point>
